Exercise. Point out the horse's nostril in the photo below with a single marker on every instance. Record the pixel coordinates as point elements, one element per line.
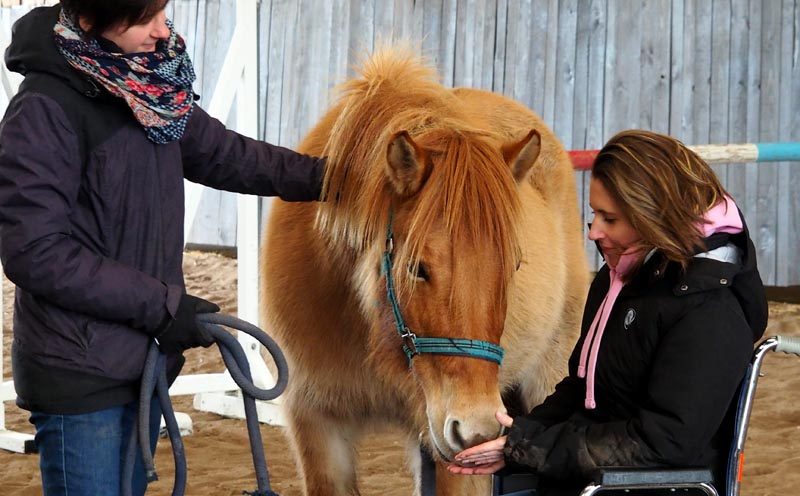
<point>461,435</point>
<point>454,435</point>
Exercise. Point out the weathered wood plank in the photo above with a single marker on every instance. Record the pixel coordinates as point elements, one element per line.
<point>564,71</point>
<point>566,87</point>
<point>696,112</point>
<point>720,70</point>
<point>788,221</point>
<point>403,21</point>
<point>521,78</point>
<point>316,76</point>
<point>447,40</point>
<point>623,52</point>
<point>752,119</point>
<point>738,95</point>
<point>678,75</point>
<point>691,72</point>
<point>429,17</point>
<point>588,121</point>
<point>275,66</point>
<point>550,65</point>
<point>294,51</point>
<point>531,80</point>
<point>655,66</point>
<point>767,212</point>
<point>362,30</point>
<point>465,47</point>
<point>501,51</point>
<point>339,66</point>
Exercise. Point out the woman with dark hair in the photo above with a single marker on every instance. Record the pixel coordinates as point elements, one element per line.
<point>668,328</point>
<point>94,150</point>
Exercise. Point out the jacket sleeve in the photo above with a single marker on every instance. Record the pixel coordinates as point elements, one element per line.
<point>558,406</point>
<point>555,409</point>
<point>223,159</point>
<point>697,368</point>
<point>40,178</point>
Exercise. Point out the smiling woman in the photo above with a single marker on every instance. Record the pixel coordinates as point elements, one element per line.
<point>610,227</point>
<point>94,150</point>
<point>680,279</point>
<point>139,37</point>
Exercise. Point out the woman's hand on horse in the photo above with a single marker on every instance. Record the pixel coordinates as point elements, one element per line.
<point>484,458</point>
<point>482,454</point>
<point>476,469</point>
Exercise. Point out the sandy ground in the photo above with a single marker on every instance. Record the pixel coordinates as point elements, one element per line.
<point>220,463</point>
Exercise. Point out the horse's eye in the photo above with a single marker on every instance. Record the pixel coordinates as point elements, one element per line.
<point>519,262</point>
<point>419,271</point>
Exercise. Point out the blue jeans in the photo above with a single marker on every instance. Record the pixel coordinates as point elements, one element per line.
<point>84,454</point>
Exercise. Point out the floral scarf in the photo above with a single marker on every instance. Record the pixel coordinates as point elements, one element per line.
<point>156,86</point>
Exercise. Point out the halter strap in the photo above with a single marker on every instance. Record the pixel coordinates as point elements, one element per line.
<point>413,345</point>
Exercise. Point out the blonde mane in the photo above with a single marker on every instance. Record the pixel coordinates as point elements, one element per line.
<point>470,187</point>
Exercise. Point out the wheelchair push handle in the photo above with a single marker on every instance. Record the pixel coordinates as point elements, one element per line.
<point>788,344</point>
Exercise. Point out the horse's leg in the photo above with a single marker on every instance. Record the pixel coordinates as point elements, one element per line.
<point>448,484</point>
<point>326,453</point>
<point>415,464</point>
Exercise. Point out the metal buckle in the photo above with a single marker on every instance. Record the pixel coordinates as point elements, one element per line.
<point>410,341</point>
<point>389,244</point>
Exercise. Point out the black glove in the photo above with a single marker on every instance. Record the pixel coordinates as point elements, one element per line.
<point>182,332</point>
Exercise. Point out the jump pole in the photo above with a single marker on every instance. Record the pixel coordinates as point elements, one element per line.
<point>716,154</point>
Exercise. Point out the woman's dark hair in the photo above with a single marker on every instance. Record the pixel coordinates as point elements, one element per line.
<point>103,14</point>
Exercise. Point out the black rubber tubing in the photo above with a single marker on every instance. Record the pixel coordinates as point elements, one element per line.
<point>154,384</point>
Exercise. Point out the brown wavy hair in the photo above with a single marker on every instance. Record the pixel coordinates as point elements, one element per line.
<point>662,187</point>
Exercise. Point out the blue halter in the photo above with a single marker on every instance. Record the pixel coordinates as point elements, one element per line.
<point>413,345</point>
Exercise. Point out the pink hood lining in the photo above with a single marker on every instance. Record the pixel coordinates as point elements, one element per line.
<point>723,217</point>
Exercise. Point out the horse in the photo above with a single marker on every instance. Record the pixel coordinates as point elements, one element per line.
<point>448,216</point>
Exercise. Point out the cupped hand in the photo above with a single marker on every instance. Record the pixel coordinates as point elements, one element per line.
<point>477,469</point>
<point>484,458</point>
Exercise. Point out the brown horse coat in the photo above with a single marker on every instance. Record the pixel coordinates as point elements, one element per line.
<point>488,246</point>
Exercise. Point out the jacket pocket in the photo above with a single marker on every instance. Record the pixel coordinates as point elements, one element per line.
<point>115,350</point>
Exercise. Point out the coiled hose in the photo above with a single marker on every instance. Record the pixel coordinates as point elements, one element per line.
<point>154,382</point>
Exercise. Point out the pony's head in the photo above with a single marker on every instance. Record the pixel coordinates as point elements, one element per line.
<point>405,158</point>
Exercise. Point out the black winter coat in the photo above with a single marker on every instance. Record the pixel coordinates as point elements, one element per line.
<point>91,222</point>
<point>673,354</point>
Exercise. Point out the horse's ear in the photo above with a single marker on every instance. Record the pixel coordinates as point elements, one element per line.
<point>521,155</point>
<point>407,164</point>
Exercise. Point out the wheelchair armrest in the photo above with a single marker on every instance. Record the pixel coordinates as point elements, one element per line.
<point>510,483</point>
<point>624,476</point>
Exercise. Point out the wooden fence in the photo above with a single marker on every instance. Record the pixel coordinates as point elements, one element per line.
<point>705,71</point>
<point>27,3</point>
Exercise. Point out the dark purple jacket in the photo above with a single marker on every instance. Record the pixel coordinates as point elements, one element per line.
<point>91,222</point>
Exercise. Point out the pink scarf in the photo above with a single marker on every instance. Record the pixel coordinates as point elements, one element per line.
<point>723,217</point>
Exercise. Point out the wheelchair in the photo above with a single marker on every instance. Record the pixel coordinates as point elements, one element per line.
<point>626,480</point>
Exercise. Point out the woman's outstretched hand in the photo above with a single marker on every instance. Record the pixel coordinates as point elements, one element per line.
<point>485,458</point>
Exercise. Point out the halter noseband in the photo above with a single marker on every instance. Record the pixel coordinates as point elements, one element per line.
<point>413,345</point>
